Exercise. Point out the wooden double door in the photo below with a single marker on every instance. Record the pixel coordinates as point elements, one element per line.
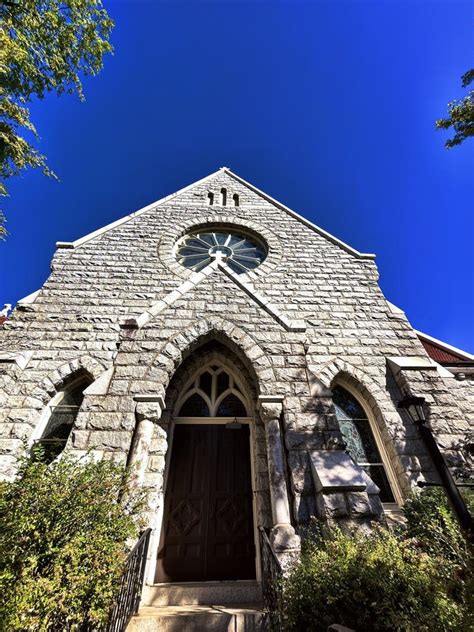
<point>208,531</point>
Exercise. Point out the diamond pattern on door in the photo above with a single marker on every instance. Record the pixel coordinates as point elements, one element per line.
<point>207,529</point>
<point>231,516</point>
<point>184,517</point>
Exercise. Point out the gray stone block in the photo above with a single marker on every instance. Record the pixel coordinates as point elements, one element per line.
<point>335,471</point>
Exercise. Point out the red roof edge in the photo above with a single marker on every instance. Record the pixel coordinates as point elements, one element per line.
<point>444,354</point>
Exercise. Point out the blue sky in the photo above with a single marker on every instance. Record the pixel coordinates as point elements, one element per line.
<point>327,106</point>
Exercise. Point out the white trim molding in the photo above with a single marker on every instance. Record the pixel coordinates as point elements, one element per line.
<point>265,196</point>
<point>303,220</point>
<point>197,277</point>
<point>122,220</point>
<point>21,359</point>
<point>410,363</point>
<point>26,301</point>
<point>444,345</point>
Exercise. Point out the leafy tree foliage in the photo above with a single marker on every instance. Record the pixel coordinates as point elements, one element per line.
<point>431,527</point>
<point>62,544</point>
<point>45,46</point>
<point>461,114</point>
<point>430,521</point>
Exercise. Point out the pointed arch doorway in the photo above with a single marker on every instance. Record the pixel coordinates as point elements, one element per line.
<point>208,531</point>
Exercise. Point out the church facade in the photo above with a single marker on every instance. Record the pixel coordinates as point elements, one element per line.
<point>243,363</point>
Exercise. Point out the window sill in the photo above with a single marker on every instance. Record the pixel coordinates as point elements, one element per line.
<point>393,513</point>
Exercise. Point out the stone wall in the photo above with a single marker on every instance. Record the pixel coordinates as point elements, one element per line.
<point>119,302</point>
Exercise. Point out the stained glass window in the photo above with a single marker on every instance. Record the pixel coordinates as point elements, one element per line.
<point>241,252</point>
<point>205,383</point>
<point>360,441</point>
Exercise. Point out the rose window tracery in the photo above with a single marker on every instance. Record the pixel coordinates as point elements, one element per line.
<point>241,252</point>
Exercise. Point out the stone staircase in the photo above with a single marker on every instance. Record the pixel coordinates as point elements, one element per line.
<point>229,606</point>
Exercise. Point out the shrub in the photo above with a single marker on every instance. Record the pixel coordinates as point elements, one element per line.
<point>372,583</point>
<point>62,544</point>
<point>430,521</point>
<point>433,528</point>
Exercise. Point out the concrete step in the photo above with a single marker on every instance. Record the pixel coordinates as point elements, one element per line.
<point>221,618</point>
<point>202,593</point>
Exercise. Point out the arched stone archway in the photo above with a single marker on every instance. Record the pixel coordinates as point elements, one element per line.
<point>154,435</point>
<point>204,344</point>
<point>60,376</point>
<point>179,346</point>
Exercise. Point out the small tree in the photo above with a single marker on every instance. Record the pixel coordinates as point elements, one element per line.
<point>62,544</point>
<point>430,522</point>
<point>432,528</point>
<point>461,114</point>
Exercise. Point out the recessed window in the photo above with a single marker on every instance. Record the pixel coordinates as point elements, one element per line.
<point>241,252</point>
<point>231,406</point>
<point>360,441</point>
<point>61,417</point>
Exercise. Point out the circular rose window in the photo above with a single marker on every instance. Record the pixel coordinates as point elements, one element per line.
<point>241,252</point>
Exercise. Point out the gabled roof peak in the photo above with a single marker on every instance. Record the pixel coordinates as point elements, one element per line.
<point>245,183</point>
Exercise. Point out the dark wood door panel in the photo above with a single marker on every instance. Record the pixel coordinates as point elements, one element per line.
<point>231,551</point>
<point>181,555</point>
<point>208,518</point>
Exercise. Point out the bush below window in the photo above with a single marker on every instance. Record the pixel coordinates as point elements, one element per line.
<point>416,580</point>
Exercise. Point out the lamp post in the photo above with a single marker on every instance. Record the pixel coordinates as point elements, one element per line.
<point>414,408</point>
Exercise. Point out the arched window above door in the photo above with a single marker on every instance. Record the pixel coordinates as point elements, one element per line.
<point>362,441</point>
<point>58,419</point>
<point>213,392</point>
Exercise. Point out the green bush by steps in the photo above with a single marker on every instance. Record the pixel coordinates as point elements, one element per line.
<point>62,544</point>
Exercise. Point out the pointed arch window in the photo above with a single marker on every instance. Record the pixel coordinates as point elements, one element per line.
<point>59,418</point>
<point>213,392</point>
<point>361,441</point>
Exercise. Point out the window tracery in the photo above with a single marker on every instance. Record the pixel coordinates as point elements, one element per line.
<point>241,252</point>
<point>213,392</point>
